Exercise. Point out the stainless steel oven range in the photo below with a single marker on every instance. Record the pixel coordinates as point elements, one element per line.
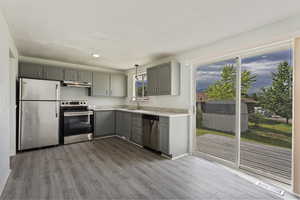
<point>76,122</point>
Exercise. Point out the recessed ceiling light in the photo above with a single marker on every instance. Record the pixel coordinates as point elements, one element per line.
<point>95,55</point>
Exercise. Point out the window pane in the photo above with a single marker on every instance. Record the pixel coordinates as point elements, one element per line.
<point>216,109</point>
<point>145,85</point>
<point>138,86</point>
<point>266,139</point>
<point>141,85</point>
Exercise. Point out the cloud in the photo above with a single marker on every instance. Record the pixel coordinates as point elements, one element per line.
<point>262,66</point>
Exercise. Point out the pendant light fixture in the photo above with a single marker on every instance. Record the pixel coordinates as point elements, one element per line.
<point>136,71</point>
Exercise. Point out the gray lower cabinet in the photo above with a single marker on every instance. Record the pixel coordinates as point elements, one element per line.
<point>164,135</point>
<point>119,123</point>
<point>104,123</point>
<point>173,131</point>
<point>101,84</point>
<point>174,135</point>
<point>85,76</point>
<point>70,75</point>
<point>123,124</point>
<point>31,70</point>
<point>136,129</point>
<point>53,73</point>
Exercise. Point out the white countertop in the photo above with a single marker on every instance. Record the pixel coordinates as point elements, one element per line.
<point>157,113</point>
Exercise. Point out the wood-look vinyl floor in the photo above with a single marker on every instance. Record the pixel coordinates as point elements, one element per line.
<point>115,169</point>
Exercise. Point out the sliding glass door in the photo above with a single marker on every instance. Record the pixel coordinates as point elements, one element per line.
<point>216,115</point>
<point>256,92</point>
<point>266,139</point>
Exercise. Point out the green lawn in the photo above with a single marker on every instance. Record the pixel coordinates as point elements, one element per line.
<point>268,132</point>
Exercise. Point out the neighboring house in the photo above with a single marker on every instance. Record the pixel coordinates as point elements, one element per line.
<point>220,116</point>
<point>201,97</point>
<point>251,104</point>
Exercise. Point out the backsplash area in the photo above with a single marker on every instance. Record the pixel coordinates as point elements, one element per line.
<point>73,93</point>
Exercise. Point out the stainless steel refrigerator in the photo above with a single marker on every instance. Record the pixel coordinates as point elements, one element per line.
<point>38,113</point>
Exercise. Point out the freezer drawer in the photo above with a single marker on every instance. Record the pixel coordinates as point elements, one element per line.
<point>39,124</point>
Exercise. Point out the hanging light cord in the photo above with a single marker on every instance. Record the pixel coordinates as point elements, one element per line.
<point>136,71</point>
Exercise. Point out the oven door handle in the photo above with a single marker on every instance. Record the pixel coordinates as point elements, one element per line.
<point>74,114</point>
<point>88,119</point>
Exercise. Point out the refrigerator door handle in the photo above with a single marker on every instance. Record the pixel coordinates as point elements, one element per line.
<point>56,113</point>
<point>57,103</point>
<point>21,88</point>
<point>56,87</point>
<point>20,125</point>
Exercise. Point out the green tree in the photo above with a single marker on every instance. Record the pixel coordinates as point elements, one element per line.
<point>224,89</point>
<point>278,97</point>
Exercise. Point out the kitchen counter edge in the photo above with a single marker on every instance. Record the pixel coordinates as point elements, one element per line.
<point>143,112</point>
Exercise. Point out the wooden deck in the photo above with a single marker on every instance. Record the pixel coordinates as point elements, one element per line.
<point>112,168</point>
<point>269,159</point>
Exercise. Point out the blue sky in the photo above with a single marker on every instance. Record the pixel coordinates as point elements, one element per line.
<point>261,65</point>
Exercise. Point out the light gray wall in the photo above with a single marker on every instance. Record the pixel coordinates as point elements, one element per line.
<point>71,93</point>
<point>271,33</point>
<point>6,46</point>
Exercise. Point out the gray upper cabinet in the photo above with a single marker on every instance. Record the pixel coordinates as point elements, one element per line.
<point>85,76</point>
<point>70,75</point>
<point>164,79</point>
<point>105,84</point>
<point>101,84</point>
<point>152,81</point>
<point>104,123</point>
<point>118,85</point>
<point>53,73</point>
<point>31,70</point>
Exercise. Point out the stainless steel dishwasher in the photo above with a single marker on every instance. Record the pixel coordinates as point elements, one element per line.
<point>151,132</point>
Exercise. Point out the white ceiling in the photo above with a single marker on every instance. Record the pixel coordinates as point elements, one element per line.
<point>125,32</point>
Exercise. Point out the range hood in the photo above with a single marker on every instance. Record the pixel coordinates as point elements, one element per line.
<point>77,84</point>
